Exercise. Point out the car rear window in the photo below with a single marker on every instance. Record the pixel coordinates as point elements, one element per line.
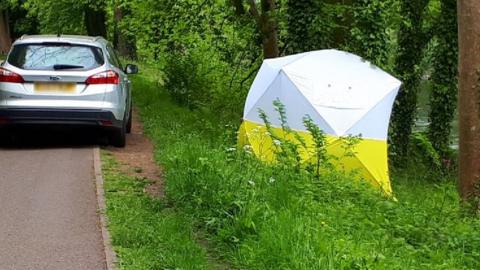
<point>56,56</point>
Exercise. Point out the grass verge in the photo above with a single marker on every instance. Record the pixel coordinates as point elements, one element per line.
<point>146,234</point>
<point>264,217</point>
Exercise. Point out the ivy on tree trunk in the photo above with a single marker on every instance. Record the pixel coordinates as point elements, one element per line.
<point>125,44</point>
<point>412,40</point>
<point>368,32</point>
<point>443,98</point>
<point>300,16</point>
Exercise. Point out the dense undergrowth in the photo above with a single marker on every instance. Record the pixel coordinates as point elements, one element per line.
<point>277,217</point>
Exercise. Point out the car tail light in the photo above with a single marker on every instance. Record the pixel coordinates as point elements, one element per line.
<point>10,77</point>
<point>106,77</point>
<point>106,123</point>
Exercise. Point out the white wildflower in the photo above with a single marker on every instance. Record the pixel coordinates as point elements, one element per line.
<point>247,147</point>
<point>277,142</point>
<point>271,180</point>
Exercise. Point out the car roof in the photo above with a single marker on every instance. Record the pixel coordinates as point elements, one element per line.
<point>85,40</point>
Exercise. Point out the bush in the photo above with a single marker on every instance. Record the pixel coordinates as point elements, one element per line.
<point>188,81</point>
<point>197,78</point>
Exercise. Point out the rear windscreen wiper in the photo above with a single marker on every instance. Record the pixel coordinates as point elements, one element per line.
<point>62,66</point>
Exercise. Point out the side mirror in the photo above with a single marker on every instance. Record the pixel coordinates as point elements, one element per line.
<point>131,69</point>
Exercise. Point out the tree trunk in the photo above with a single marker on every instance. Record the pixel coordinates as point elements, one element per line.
<point>443,98</point>
<point>267,26</point>
<point>5,40</point>
<point>469,98</point>
<point>238,6</point>
<point>95,21</point>
<point>411,44</point>
<point>343,22</point>
<point>300,16</point>
<point>125,45</point>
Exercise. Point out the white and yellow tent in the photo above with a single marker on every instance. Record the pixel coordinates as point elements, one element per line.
<point>341,92</point>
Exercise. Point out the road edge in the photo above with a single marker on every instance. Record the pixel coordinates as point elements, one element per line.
<point>110,255</point>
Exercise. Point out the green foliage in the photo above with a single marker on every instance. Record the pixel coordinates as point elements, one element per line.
<point>370,30</point>
<point>443,98</point>
<point>320,143</point>
<point>300,15</point>
<point>276,217</point>
<point>51,21</point>
<point>412,40</point>
<point>423,153</point>
<point>208,56</point>
<point>146,234</point>
<point>192,78</point>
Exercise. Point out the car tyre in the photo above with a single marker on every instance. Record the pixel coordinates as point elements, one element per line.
<point>118,138</point>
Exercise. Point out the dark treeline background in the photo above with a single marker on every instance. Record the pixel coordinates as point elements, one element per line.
<point>210,50</point>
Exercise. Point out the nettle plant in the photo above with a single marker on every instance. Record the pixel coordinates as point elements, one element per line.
<point>291,148</point>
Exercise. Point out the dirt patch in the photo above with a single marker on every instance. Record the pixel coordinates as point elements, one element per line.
<point>137,158</point>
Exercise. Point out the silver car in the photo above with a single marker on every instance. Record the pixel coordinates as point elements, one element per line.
<point>66,80</point>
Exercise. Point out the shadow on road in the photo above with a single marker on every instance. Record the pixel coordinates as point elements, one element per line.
<point>36,137</point>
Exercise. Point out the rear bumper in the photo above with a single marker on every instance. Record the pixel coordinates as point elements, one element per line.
<point>81,117</point>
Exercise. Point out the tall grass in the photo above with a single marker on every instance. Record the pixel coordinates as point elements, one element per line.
<point>146,233</point>
<point>276,217</point>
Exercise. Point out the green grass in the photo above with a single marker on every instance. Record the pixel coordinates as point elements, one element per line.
<point>145,233</point>
<point>262,217</point>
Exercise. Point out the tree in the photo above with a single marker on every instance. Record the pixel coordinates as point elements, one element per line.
<point>266,23</point>
<point>368,31</point>
<point>5,40</point>
<point>412,40</point>
<point>300,16</point>
<point>443,99</point>
<point>57,16</point>
<point>95,19</point>
<point>469,98</point>
<point>340,22</point>
<point>125,44</point>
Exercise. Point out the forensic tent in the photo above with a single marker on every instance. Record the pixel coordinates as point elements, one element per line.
<point>342,93</point>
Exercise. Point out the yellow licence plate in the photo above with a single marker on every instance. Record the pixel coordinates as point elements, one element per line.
<point>55,87</point>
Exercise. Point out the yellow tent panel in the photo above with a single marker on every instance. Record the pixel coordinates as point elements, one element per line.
<point>367,160</point>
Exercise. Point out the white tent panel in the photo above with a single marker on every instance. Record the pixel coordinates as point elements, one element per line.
<point>341,120</point>
<point>296,105</point>
<point>374,125</point>
<point>337,79</point>
<point>264,79</point>
<point>267,73</point>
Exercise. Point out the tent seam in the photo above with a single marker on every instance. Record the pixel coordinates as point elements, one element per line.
<point>371,174</point>
<point>309,103</point>
<point>369,111</point>
<point>259,98</point>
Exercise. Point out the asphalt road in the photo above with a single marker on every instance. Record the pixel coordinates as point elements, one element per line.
<point>48,206</point>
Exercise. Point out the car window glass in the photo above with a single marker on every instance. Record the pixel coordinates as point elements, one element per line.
<point>113,58</point>
<point>49,56</point>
